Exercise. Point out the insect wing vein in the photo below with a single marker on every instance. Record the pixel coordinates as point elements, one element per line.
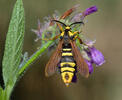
<point>81,64</point>
<point>54,60</point>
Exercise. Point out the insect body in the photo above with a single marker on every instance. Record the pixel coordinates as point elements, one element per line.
<point>67,62</point>
<point>67,57</point>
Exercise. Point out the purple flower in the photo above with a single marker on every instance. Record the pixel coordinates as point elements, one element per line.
<point>96,56</point>
<point>81,16</point>
<point>41,28</point>
<point>90,10</point>
<point>89,63</point>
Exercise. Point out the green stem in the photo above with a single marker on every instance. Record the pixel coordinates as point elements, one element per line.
<point>34,57</point>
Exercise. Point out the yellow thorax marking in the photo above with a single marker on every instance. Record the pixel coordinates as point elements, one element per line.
<point>67,54</point>
<point>67,68</point>
<point>69,63</point>
<point>70,33</point>
<point>68,27</point>
<point>62,34</point>
<point>68,49</point>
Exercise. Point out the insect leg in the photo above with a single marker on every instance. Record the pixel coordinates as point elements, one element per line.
<point>77,37</point>
<point>60,27</point>
<point>54,38</point>
<point>74,35</point>
<point>80,40</point>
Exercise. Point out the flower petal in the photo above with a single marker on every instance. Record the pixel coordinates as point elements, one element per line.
<point>89,63</point>
<point>97,56</point>
<point>90,10</point>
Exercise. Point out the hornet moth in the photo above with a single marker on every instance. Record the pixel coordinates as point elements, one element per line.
<point>67,57</point>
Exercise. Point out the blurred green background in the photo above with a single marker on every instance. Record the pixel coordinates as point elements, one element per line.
<point>105,26</point>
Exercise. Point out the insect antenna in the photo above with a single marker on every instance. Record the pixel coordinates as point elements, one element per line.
<point>60,22</point>
<point>76,23</point>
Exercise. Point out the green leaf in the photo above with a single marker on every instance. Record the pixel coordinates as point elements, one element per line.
<point>13,46</point>
<point>1,93</point>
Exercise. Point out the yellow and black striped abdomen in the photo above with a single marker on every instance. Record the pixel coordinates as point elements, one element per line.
<point>67,64</point>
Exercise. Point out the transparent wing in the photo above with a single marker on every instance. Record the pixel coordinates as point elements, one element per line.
<point>81,64</point>
<point>54,60</point>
